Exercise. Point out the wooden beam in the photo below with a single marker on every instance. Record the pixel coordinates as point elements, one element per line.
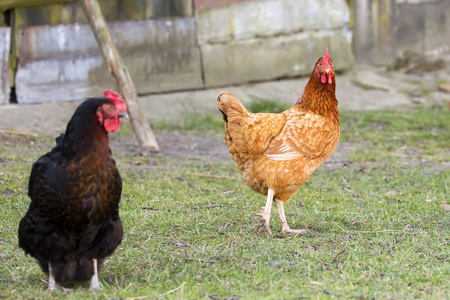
<point>120,74</point>
<point>8,4</point>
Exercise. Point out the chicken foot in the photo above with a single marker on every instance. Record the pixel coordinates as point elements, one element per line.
<point>284,225</point>
<point>265,215</point>
<point>95,285</point>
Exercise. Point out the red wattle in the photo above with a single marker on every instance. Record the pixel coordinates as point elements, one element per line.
<point>329,78</point>
<point>111,124</point>
<point>324,78</point>
<point>100,116</point>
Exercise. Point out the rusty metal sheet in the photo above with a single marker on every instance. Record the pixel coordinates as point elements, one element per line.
<point>62,63</point>
<point>5,43</point>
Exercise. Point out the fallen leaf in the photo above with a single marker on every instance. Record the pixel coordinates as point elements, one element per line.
<point>445,207</point>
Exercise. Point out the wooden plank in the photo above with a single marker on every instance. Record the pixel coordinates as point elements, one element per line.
<point>110,10</point>
<point>164,8</point>
<point>41,15</point>
<point>132,10</point>
<point>8,4</point>
<point>120,74</point>
<point>72,13</point>
<point>14,55</point>
<point>5,35</point>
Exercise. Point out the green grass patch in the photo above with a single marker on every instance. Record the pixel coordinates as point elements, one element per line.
<point>375,226</point>
<point>267,106</point>
<point>385,132</point>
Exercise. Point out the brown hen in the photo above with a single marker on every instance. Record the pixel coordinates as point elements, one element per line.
<point>276,153</point>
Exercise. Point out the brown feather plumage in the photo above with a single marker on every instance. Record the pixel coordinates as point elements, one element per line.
<point>73,223</point>
<point>280,151</point>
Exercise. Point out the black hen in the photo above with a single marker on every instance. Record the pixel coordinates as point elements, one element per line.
<point>73,221</point>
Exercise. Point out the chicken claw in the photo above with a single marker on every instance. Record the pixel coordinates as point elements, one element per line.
<point>265,215</point>
<point>294,231</point>
<point>284,225</point>
<point>264,223</point>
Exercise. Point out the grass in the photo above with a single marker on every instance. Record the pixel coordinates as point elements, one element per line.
<point>375,227</point>
<point>424,129</point>
<point>267,106</point>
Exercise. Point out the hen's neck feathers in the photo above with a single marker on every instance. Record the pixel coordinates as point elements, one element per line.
<point>84,133</point>
<point>318,97</point>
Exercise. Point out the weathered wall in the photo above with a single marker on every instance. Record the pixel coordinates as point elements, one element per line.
<point>374,37</point>
<point>264,40</point>
<point>385,29</point>
<point>214,43</point>
<point>423,26</point>
<point>5,35</point>
<point>194,44</point>
<point>63,62</point>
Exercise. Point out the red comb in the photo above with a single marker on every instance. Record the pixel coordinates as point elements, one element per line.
<point>118,101</point>
<point>326,57</point>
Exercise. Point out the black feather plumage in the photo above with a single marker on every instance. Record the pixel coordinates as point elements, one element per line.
<point>75,192</point>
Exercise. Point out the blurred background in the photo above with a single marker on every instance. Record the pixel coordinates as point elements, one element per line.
<point>48,52</point>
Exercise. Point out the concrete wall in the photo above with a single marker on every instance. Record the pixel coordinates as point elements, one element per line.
<point>374,37</point>
<point>264,40</point>
<point>196,44</point>
<point>63,62</point>
<point>423,26</point>
<point>385,29</point>
<point>213,43</point>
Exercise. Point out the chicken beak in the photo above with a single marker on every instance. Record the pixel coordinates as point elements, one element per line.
<point>327,70</point>
<point>123,115</point>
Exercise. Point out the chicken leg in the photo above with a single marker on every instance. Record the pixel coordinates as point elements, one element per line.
<point>265,215</point>
<point>95,286</point>
<point>284,225</point>
<point>51,279</point>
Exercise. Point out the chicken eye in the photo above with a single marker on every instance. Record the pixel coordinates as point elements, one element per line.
<point>108,107</point>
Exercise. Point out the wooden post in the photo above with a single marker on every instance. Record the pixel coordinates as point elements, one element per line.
<point>120,74</point>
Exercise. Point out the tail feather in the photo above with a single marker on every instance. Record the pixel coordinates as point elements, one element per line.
<point>230,106</point>
<point>234,114</point>
<point>246,132</point>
